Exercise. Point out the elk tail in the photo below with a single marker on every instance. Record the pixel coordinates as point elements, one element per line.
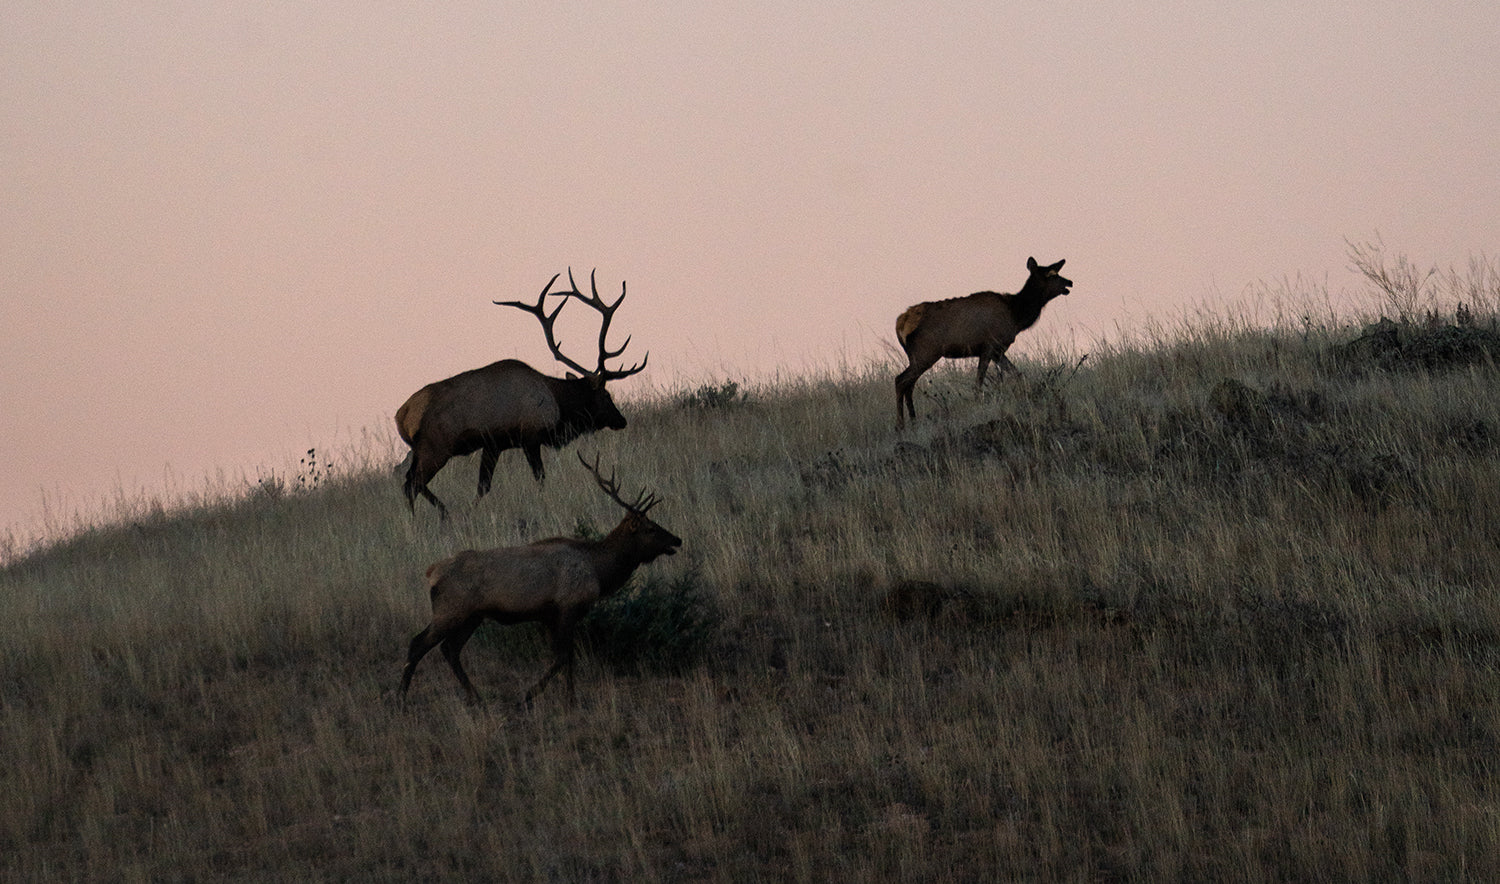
<point>908,322</point>
<point>435,574</point>
<point>409,415</point>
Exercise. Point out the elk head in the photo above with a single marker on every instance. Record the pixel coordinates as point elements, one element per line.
<point>602,411</point>
<point>1052,281</point>
<point>645,539</point>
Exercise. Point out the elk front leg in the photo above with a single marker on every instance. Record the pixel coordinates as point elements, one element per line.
<point>562,658</point>
<point>534,457</point>
<point>487,461</point>
<point>453,646</point>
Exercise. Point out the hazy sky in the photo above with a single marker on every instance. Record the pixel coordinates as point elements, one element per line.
<point>229,232</point>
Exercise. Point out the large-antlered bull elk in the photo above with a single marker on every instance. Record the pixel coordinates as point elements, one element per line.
<point>983,324</point>
<point>509,404</point>
<point>553,582</point>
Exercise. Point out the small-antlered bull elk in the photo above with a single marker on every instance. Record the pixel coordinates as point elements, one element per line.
<point>553,582</point>
<point>509,404</point>
<point>983,324</point>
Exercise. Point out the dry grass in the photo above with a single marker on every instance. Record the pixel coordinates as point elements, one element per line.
<point>1222,606</point>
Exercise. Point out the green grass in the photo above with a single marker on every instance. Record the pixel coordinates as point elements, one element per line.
<point>1222,603</point>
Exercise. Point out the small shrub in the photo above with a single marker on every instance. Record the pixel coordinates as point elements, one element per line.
<point>1391,345</point>
<point>653,625</point>
<point>1403,286</point>
<point>269,487</point>
<point>584,529</point>
<point>910,599</point>
<point>711,396</point>
<point>311,475</point>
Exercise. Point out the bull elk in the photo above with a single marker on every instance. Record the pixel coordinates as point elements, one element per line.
<point>983,324</point>
<point>553,582</point>
<point>509,404</point>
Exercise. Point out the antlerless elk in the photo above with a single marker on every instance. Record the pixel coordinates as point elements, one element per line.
<point>983,324</point>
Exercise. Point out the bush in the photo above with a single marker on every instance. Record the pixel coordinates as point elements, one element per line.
<point>1433,345</point>
<point>653,625</point>
<point>711,396</point>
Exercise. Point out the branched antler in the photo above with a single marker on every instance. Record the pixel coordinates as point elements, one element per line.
<point>606,311</point>
<point>539,310</point>
<point>643,501</point>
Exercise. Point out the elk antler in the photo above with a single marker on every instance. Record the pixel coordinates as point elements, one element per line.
<point>546,319</point>
<point>643,501</point>
<point>606,310</point>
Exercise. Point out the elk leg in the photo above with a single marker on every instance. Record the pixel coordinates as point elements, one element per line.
<point>906,382</point>
<point>903,397</point>
<point>984,366</point>
<point>487,462</point>
<point>534,457</point>
<point>421,643</point>
<point>417,477</point>
<point>453,646</point>
<point>409,487</point>
<point>562,658</point>
<point>566,649</point>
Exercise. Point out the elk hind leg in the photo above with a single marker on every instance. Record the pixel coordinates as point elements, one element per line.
<point>417,476</point>
<point>421,643</point>
<point>906,382</point>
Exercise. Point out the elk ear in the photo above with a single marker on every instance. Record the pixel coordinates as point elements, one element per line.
<point>1031,264</point>
<point>1059,264</point>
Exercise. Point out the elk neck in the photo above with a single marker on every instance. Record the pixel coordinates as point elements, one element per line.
<point>613,559</point>
<point>1026,305</point>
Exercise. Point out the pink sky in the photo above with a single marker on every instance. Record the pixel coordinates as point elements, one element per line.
<point>228,235</point>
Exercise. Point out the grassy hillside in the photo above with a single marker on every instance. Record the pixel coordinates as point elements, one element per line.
<point>1223,604</point>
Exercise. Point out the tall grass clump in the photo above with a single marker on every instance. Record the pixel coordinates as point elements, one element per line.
<point>1217,602</point>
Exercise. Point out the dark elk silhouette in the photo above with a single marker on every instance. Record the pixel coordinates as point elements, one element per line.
<point>509,404</point>
<point>553,582</point>
<point>983,324</point>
